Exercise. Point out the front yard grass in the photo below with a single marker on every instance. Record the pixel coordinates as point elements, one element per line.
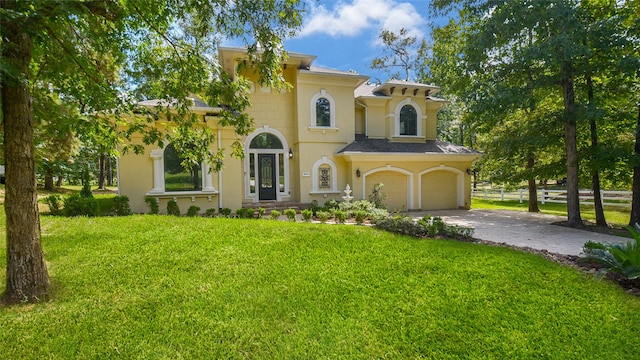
<point>150,286</point>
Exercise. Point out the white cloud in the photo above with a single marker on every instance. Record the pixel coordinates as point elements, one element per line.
<point>354,17</point>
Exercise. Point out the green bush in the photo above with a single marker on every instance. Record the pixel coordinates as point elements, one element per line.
<point>435,226</point>
<point>314,207</point>
<point>210,212</point>
<point>225,212</point>
<point>154,208</point>
<point>245,213</point>
<point>55,203</point>
<point>323,216</point>
<point>275,214</point>
<point>75,205</point>
<point>340,216</point>
<point>193,211</point>
<point>623,259</point>
<point>86,184</point>
<point>173,208</point>
<point>377,197</point>
<point>360,216</point>
<point>261,212</point>
<point>121,206</point>
<point>290,214</point>
<point>306,214</point>
<point>331,204</point>
<point>402,225</point>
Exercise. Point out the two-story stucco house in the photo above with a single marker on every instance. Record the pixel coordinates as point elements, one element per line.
<point>331,130</point>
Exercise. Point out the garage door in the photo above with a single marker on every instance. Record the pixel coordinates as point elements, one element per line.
<point>395,187</point>
<point>439,190</point>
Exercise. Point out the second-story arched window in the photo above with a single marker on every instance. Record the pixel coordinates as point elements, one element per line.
<point>408,121</point>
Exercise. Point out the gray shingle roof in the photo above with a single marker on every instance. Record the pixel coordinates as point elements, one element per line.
<point>362,145</point>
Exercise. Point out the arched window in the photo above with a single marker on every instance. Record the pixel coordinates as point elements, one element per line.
<point>177,177</point>
<point>323,112</point>
<point>324,176</point>
<point>408,121</point>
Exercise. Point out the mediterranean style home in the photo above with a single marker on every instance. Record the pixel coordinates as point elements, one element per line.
<point>332,129</point>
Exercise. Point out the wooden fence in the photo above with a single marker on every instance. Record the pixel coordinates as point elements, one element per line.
<point>609,198</point>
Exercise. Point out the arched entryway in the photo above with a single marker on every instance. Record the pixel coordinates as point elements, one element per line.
<point>441,188</point>
<point>266,165</point>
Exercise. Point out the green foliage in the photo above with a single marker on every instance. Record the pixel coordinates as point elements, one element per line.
<point>400,51</point>
<point>290,214</point>
<point>54,202</point>
<point>245,213</point>
<point>402,225</point>
<point>331,204</point>
<point>360,216</point>
<point>225,212</point>
<point>211,212</point>
<point>193,211</point>
<point>86,184</point>
<point>121,206</point>
<point>323,216</point>
<point>340,216</point>
<point>275,214</point>
<point>75,205</point>
<point>173,208</point>
<point>315,207</point>
<point>154,207</point>
<point>307,214</point>
<point>261,212</point>
<point>377,197</point>
<point>427,226</point>
<point>623,259</point>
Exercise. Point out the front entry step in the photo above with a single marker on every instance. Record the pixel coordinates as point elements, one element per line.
<point>276,205</point>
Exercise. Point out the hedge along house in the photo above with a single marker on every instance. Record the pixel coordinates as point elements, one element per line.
<point>332,129</point>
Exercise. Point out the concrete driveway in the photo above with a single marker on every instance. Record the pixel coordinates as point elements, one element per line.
<point>523,229</point>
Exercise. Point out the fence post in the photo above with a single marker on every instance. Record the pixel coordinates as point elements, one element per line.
<point>502,194</point>
<point>543,196</point>
<point>520,196</point>
<point>485,194</point>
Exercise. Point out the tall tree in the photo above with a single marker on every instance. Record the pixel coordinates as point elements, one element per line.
<point>401,50</point>
<point>79,33</point>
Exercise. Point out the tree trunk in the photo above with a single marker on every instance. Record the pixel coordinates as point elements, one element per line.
<point>101,165</point>
<point>48,180</point>
<point>27,277</point>
<point>59,181</point>
<point>595,174</point>
<point>635,199</point>
<point>533,190</point>
<point>109,172</point>
<point>570,140</point>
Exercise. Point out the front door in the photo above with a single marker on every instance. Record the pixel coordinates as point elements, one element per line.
<point>267,183</point>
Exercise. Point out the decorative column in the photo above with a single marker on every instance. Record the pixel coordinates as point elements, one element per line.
<point>208,180</point>
<point>158,169</point>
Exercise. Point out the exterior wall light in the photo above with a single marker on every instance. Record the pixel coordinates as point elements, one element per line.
<point>358,172</point>
<point>290,153</point>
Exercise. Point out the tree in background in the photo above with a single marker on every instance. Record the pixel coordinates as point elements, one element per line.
<point>402,51</point>
<point>105,46</point>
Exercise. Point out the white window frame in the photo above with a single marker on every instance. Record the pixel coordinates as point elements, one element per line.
<point>332,110</point>
<point>285,156</point>
<point>158,177</point>
<point>334,176</point>
<point>419,118</point>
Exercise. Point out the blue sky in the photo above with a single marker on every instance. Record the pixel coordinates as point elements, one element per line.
<point>343,34</point>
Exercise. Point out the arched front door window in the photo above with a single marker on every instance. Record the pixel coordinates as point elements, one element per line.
<point>266,164</point>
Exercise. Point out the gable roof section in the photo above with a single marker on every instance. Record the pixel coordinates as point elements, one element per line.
<point>383,146</point>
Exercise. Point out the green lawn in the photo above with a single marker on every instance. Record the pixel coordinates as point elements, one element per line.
<point>165,287</point>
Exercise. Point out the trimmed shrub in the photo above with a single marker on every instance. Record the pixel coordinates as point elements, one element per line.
<point>75,205</point>
<point>261,212</point>
<point>55,204</point>
<point>360,216</point>
<point>341,216</point>
<point>291,214</point>
<point>210,212</point>
<point>323,216</point>
<point>225,212</point>
<point>173,208</point>
<point>154,208</point>
<point>402,225</point>
<point>121,206</point>
<point>307,214</point>
<point>275,214</point>
<point>193,211</point>
<point>377,197</point>
<point>331,204</point>
<point>245,213</point>
<point>86,184</point>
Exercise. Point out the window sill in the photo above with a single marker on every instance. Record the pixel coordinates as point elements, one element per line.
<point>323,128</point>
<point>324,192</point>
<point>181,193</point>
